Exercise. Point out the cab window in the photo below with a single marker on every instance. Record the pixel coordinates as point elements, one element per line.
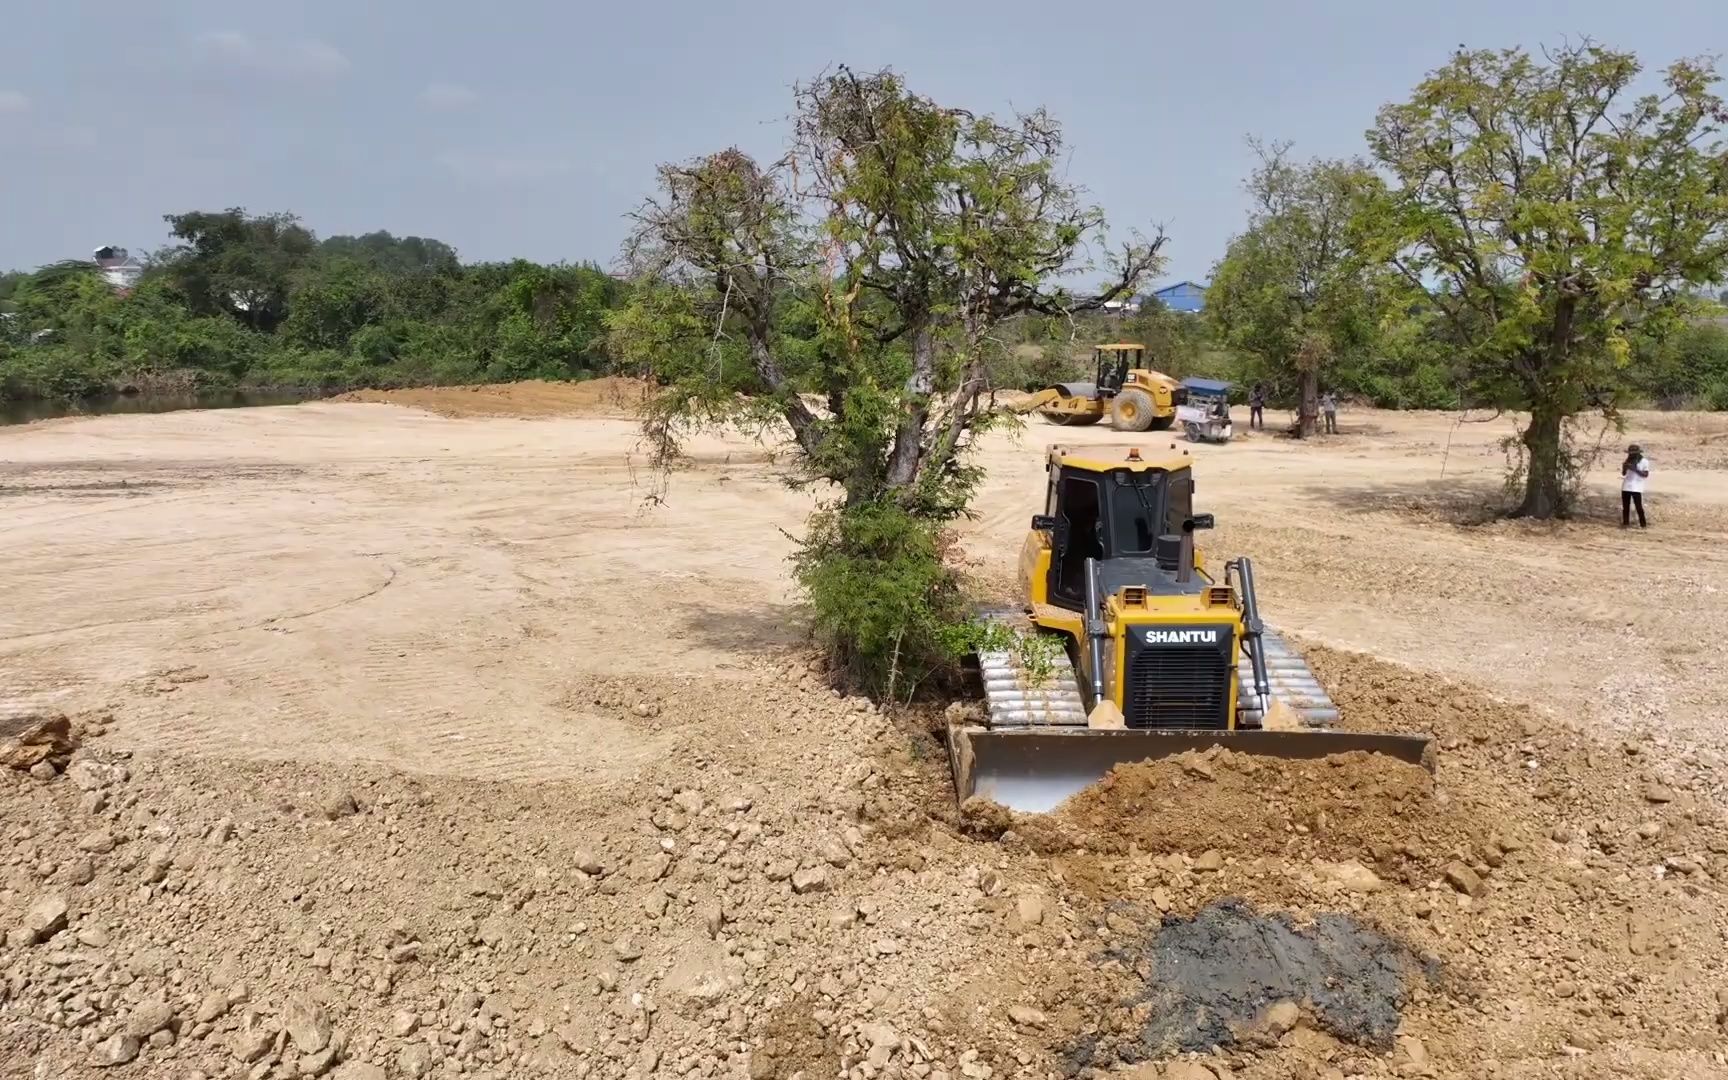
<point>1080,512</point>
<point>1137,501</point>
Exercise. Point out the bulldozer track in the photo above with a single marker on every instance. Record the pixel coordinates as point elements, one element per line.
<point>1015,697</point>
<point>1292,683</point>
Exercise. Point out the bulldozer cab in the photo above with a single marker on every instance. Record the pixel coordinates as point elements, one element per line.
<point>1137,519</point>
<point>1113,362</point>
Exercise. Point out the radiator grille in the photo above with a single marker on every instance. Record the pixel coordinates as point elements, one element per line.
<point>1177,687</point>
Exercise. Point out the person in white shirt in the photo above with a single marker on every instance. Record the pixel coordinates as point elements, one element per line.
<point>1634,471</point>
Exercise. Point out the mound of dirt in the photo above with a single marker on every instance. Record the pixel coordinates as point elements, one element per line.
<point>1562,888</point>
<point>1340,807</point>
<point>1345,807</point>
<point>606,397</point>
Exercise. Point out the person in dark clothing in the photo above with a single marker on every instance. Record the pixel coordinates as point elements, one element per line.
<point>1634,472</point>
<point>1257,407</point>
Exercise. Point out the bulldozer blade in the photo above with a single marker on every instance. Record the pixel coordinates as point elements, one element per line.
<point>1034,770</point>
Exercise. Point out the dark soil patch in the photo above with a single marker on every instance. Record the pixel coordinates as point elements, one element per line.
<point>1208,981</point>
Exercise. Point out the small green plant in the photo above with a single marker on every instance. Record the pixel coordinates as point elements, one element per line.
<point>1038,655</point>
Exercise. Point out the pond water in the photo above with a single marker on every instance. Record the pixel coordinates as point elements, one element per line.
<point>22,412</point>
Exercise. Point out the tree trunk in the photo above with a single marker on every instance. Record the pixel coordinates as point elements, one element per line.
<point>798,416</point>
<point>908,447</point>
<point>1308,405</point>
<point>1544,490</point>
<point>1545,493</point>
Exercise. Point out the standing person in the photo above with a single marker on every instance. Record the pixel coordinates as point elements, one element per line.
<point>1329,410</point>
<point>1634,471</point>
<point>1257,408</point>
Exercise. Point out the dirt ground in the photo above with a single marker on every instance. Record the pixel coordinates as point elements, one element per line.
<point>613,397</point>
<point>422,740</point>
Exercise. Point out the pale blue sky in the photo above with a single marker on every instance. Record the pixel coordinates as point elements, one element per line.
<point>529,127</point>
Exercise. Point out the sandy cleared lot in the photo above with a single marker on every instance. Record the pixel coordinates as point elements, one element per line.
<point>341,582</point>
<point>420,741</point>
<point>359,581</point>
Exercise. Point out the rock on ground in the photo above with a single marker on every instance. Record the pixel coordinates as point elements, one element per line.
<point>46,917</point>
<point>307,1024</point>
<point>118,1049</point>
<point>31,740</point>
<point>149,1017</point>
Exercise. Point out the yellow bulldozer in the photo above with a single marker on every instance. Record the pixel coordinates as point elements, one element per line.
<point>1134,397</point>
<point>1154,654</point>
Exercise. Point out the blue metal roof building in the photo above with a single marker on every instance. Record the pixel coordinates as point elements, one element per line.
<point>1182,296</point>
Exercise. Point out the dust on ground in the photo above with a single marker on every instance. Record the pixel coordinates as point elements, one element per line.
<point>412,746</point>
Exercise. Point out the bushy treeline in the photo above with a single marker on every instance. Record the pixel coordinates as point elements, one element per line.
<point>260,301</point>
<point>1688,369</point>
<point>1412,365</point>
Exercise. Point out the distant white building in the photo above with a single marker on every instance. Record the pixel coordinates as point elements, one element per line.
<point>119,269</point>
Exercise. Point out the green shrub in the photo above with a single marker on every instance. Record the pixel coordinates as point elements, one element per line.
<point>311,369</point>
<point>886,605</point>
<point>55,371</point>
<point>377,344</point>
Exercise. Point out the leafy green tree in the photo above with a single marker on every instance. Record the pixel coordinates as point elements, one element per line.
<point>959,223</point>
<point>1413,364</point>
<point>52,369</point>
<point>1176,341</point>
<point>49,297</point>
<point>915,231</point>
<point>331,301</point>
<point>240,265</point>
<point>377,344</point>
<point>72,332</point>
<point>1552,214</point>
<point>257,301</point>
<point>716,255</point>
<point>392,254</point>
<point>551,321</point>
<point>1293,290</point>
